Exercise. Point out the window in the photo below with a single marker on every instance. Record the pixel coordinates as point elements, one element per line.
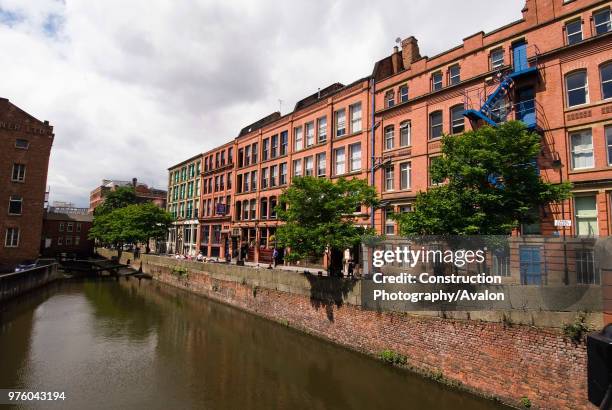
<point>435,124</point>
<point>253,207</point>
<point>77,240</point>
<point>436,81</point>
<point>245,210</point>
<point>457,119</point>
<point>69,227</point>
<point>265,149</point>
<point>309,134</point>
<point>230,155</point>
<point>601,20</point>
<point>253,180</point>
<point>78,227</point>
<point>582,149</point>
<point>389,99</point>
<point>321,165</point>
<point>454,75</point>
<point>264,178</point>
<point>299,139</point>
<point>61,227</point>
<point>340,123</point>
<point>229,180</point>
<point>608,133</point>
<point>355,150</point>
<point>18,173</point>
<point>308,166</point>
<point>322,129</point>
<point>389,223</point>
<point>254,150</point>
<point>389,137</point>
<point>263,210</point>
<point>405,175</point>
<point>403,93</point>
<point>355,117</point>
<point>21,143</point>
<point>606,81</point>
<point>283,173</point>
<point>389,170</point>
<point>68,240</point>
<point>284,136</point>
<point>404,209</point>
<point>246,182</point>
<point>247,155</point>
<point>339,161</point>
<point>297,168</point>
<point>586,215</point>
<point>273,207</point>
<point>573,32</point>
<point>11,238</point>
<point>496,58</point>
<point>405,134</point>
<point>273,175</point>
<point>15,203</point>
<point>274,146</point>
<point>60,240</point>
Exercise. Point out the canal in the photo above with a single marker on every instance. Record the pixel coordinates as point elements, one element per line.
<point>147,345</point>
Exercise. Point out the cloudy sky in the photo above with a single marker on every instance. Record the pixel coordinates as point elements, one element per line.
<point>134,86</point>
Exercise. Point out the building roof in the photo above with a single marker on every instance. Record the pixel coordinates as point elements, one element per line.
<point>316,97</point>
<point>260,123</point>
<point>65,216</point>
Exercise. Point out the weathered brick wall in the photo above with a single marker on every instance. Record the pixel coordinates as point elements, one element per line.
<point>508,362</point>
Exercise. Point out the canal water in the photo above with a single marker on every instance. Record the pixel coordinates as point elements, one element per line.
<point>124,345</point>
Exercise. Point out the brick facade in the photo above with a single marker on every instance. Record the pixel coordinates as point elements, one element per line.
<point>417,98</point>
<point>65,231</point>
<point>144,193</point>
<point>25,147</point>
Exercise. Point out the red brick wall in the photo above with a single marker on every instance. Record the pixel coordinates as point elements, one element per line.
<point>51,230</point>
<point>15,123</point>
<point>508,362</point>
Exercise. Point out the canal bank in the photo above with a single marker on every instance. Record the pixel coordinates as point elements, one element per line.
<point>515,363</point>
<point>15,284</point>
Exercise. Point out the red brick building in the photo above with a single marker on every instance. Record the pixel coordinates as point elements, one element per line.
<point>25,147</point>
<point>552,69</point>
<point>66,230</point>
<point>144,193</point>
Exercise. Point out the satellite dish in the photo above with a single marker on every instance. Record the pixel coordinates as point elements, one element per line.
<point>398,40</point>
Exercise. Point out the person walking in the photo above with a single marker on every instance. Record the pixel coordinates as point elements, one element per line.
<point>275,256</point>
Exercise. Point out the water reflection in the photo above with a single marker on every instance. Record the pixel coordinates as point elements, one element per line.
<point>146,345</point>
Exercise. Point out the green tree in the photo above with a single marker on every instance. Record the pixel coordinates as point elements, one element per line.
<point>118,198</point>
<point>131,224</point>
<point>491,185</point>
<point>319,215</point>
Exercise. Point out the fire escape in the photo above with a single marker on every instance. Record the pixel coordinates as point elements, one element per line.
<point>507,100</point>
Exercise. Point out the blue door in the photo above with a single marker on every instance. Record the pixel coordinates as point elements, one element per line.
<point>530,265</point>
<point>519,56</point>
<point>525,107</point>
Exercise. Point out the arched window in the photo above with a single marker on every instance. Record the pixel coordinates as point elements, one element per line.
<point>605,72</point>
<point>457,119</point>
<point>435,124</point>
<point>263,210</point>
<point>576,88</point>
<point>389,137</point>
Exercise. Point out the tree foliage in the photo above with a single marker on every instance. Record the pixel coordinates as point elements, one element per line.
<point>319,213</point>
<point>131,224</point>
<point>118,198</point>
<point>491,185</point>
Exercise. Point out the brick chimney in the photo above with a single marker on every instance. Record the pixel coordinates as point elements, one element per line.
<point>396,60</point>
<point>410,51</point>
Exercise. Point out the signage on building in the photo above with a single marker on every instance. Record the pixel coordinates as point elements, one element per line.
<point>563,222</point>
<point>220,209</point>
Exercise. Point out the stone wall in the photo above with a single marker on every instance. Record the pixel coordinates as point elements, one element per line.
<point>15,284</point>
<point>505,361</point>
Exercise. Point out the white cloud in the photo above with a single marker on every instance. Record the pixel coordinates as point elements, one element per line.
<point>134,87</point>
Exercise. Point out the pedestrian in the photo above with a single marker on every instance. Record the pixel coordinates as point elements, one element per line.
<point>275,256</point>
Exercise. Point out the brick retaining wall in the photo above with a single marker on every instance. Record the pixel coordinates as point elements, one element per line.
<point>507,362</point>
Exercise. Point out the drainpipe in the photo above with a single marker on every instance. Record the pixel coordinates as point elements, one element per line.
<point>372,140</point>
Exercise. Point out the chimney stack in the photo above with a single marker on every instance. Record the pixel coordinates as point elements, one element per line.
<point>396,60</point>
<point>410,51</point>
<point>134,181</point>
